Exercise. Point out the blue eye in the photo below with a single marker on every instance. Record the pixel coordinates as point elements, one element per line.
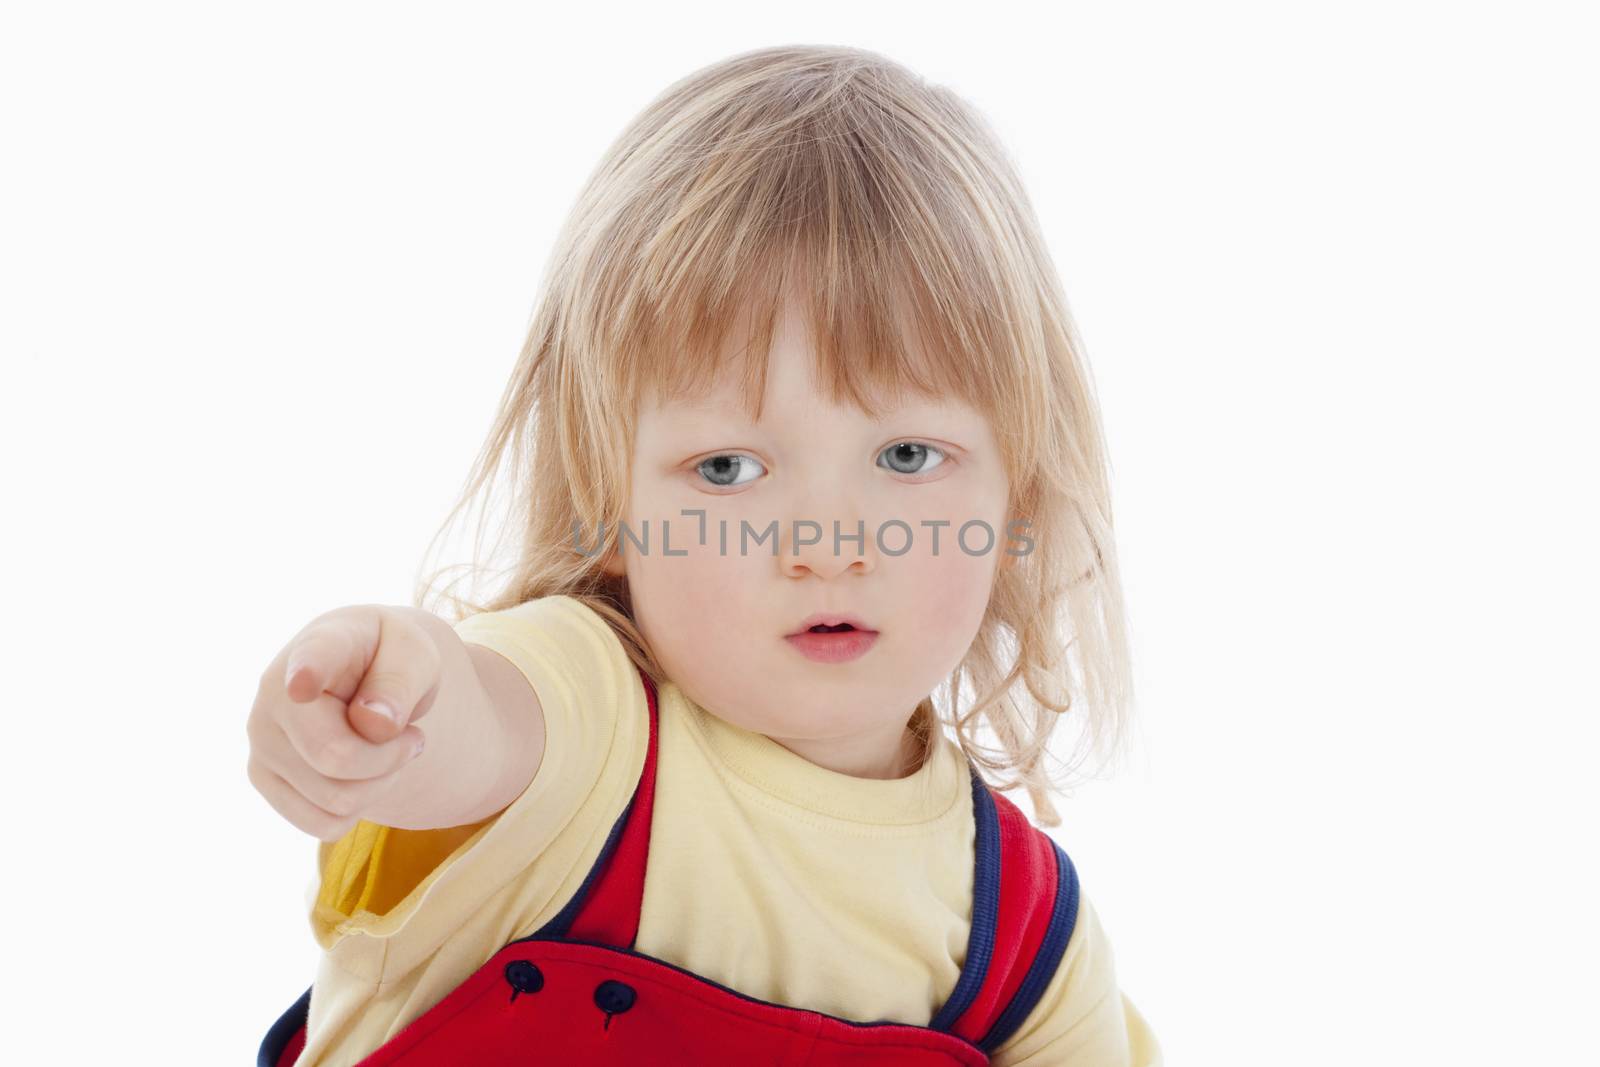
<point>907,457</point>
<point>911,454</point>
<point>720,470</point>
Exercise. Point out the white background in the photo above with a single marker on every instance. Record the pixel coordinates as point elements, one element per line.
<point>265,270</point>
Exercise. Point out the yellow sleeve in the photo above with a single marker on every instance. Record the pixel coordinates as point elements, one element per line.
<point>374,867</point>
<point>577,666</point>
<point>1083,1019</point>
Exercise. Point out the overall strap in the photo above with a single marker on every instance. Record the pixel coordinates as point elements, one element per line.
<point>1024,908</point>
<point>605,909</point>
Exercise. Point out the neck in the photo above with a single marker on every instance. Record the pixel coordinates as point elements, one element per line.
<point>893,753</point>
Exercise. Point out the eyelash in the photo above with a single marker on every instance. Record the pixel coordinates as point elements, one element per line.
<point>944,457</point>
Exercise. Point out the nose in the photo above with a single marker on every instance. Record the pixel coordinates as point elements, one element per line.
<point>809,547</point>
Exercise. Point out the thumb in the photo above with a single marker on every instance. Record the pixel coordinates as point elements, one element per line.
<point>400,683</point>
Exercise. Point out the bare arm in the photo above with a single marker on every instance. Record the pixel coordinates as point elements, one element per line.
<point>485,739</point>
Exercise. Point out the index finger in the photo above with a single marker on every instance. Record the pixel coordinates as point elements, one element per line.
<point>330,655</point>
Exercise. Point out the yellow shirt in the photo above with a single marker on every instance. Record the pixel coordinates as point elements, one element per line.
<point>768,874</point>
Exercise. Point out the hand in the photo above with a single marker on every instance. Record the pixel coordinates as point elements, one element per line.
<point>323,749</point>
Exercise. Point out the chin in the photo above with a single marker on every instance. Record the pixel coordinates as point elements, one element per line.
<point>816,724</point>
<point>777,722</point>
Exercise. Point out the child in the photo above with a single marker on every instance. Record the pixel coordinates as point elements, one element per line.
<point>800,440</point>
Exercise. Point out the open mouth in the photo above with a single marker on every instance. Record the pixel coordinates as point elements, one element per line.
<point>827,622</point>
<point>833,641</point>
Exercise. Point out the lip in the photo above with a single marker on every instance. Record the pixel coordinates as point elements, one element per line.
<point>833,648</point>
<point>824,618</point>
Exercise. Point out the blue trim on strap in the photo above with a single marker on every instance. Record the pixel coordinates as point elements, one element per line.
<point>1063,918</point>
<point>558,926</point>
<point>985,907</point>
<point>563,920</point>
<point>282,1031</point>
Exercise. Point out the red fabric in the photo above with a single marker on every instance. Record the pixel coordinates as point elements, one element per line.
<point>292,1050</point>
<point>675,1019</point>
<point>1027,894</point>
<point>610,914</point>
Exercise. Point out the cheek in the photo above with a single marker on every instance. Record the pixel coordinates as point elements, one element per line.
<point>953,586</point>
<point>690,603</point>
<point>942,598</point>
<point>700,586</point>
<point>964,565</point>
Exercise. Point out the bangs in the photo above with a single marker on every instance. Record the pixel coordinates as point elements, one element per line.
<point>882,234</point>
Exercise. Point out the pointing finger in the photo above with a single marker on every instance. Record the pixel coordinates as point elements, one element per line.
<point>400,683</point>
<point>330,654</point>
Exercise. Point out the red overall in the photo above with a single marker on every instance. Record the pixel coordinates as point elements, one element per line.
<point>576,992</point>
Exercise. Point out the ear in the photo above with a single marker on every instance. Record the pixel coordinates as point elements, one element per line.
<point>614,565</point>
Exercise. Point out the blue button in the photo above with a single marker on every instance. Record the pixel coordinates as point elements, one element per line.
<point>524,977</point>
<point>613,998</point>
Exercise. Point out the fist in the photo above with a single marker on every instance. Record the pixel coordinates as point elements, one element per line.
<point>333,720</point>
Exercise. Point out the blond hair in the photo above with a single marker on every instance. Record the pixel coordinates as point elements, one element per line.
<point>889,206</point>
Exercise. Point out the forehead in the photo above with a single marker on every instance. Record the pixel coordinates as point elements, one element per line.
<point>794,379</point>
<point>725,406</point>
<point>792,400</point>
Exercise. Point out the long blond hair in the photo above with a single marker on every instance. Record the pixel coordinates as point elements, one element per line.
<point>889,204</point>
